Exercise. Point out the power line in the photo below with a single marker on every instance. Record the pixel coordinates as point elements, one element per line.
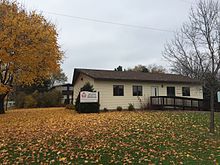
<point>110,22</point>
<point>185,1</point>
<point>189,2</point>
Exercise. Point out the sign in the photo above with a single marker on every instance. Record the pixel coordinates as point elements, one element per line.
<point>88,97</point>
<point>218,96</point>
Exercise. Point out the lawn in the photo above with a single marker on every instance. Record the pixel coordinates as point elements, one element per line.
<point>50,136</point>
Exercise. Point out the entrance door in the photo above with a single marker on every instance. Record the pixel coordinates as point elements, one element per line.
<point>154,91</point>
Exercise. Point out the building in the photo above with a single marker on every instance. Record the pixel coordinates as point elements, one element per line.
<point>119,88</point>
<point>67,92</point>
<point>9,104</point>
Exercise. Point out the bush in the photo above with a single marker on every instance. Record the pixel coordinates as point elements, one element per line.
<point>70,106</point>
<point>119,108</point>
<point>38,99</point>
<point>29,102</point>
<point>19,99</point>
<point>105,110</point>
<point>131,107</point>
<point>51,99</point>
<point>145,106</point>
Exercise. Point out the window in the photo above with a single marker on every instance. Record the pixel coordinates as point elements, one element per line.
<point>171,91</point>
<point>154,91</point>
<point>118,90</point>
<point>186,91</point>
<point>137,90</point>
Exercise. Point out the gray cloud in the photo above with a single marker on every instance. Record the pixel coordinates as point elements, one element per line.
<point>97,45</point>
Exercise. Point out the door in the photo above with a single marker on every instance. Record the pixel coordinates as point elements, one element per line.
<point>154,91</point>
<point>171,91</point>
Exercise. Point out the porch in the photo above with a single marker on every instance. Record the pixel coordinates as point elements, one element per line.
<point>173,102</point>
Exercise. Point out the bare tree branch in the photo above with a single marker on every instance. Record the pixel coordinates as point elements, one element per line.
<point>195,50</point>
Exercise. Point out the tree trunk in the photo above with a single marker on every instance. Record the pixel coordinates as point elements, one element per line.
<point>212,112</point>
<point>2,98</point>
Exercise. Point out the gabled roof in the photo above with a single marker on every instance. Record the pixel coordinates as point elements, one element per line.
<point>133,76</point>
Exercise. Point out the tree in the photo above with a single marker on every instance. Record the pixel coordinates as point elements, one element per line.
<point>19,100</point>
<point>139,68</point>
<point>119,68</point>
<point>29,52</point>
<point>153,68</point>
<point>195,50</point>
<point>58,78</point>
<point>30,102</point>
<point>38,99</point>
<point>44,86</point>
<point>49,99</point>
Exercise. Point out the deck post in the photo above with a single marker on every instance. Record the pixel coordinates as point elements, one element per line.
<point>174,103</point>
<point>183,104</point>
<point>151,102</point>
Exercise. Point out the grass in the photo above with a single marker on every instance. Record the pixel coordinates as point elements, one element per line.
<point>56,135</point>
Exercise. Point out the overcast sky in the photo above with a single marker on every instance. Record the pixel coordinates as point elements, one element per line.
<point>90,44</point>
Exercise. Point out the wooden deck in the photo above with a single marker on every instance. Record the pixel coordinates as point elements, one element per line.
<point>173,102</point>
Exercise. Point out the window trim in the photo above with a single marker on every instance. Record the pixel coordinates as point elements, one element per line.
<point>117,94</point>
<point>137,91</point>
<point>156,91</point>
<point>187,87</point>
<point>174,91</point>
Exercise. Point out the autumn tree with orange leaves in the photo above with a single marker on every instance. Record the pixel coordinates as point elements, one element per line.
<point>29,52</point>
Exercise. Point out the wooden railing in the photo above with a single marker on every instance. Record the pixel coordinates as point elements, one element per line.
<point>168,102</point>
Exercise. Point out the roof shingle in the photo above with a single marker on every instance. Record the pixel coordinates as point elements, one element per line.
<point>134,76</point>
